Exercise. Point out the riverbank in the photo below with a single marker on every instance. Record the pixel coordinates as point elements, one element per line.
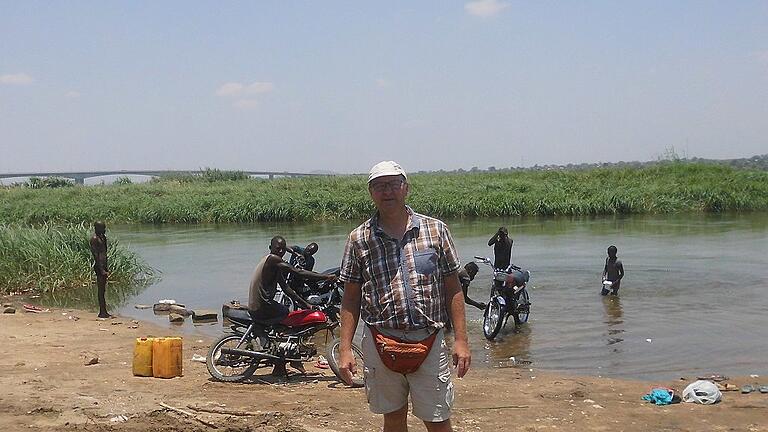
<point>47,386</point>
<point>664,188</point>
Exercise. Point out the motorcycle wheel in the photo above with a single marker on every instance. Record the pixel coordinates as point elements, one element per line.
<point>332,355</point>
<point>230,367</point>
<point>523,309</point>
<point>493,319</point>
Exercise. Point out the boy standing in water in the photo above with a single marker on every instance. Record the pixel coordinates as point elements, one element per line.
<point>613,271</point>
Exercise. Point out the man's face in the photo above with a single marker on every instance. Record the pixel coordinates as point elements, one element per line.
<point>388,192</point>
<point>277,248</point>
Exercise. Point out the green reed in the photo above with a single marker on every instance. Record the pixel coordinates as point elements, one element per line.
<point>48,258</point>
<point>227,198</point>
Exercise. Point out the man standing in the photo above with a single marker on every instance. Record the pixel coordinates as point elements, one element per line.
<point>99,252</point>
<point>269,272</point>
<point>502,248</point>
<point>400,275</point>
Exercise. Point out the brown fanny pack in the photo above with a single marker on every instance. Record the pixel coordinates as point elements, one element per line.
<point>401,356</point>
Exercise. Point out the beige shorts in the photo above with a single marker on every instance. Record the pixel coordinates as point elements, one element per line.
<point>430,386</point>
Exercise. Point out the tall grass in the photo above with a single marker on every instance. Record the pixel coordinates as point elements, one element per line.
<point>666,188</point>
<point>50,258</point>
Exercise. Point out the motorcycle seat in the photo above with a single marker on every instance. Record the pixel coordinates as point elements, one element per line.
<point>241,315</point>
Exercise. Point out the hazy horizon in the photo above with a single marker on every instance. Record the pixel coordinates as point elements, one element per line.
<point>337,86</point>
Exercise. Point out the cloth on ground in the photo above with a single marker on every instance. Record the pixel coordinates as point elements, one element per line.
<point>660,396</point>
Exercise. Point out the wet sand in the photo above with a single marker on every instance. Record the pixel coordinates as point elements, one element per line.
<point>45,385</point>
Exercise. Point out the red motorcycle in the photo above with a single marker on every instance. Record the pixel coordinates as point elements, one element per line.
<point>236,356</point>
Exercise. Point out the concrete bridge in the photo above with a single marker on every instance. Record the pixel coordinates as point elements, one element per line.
<point>79,177</point>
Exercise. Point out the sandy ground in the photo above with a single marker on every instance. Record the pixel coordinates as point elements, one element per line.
<point>45,385</point>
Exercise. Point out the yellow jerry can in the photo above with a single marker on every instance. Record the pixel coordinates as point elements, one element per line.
<point>142,357</point>
<point>166,357</point>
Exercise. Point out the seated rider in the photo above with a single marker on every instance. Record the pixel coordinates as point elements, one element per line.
<point>502,248</point>
<point>261,296</point>
<point>467,275</point>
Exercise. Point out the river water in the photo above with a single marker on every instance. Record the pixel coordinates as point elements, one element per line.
<point>694,299</point>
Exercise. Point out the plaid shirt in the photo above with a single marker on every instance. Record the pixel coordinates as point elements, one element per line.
<point>402,280</point>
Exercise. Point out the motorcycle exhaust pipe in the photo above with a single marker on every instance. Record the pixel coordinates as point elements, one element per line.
<point>252,354</point>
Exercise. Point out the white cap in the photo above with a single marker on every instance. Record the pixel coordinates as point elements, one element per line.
<point>386,168</point>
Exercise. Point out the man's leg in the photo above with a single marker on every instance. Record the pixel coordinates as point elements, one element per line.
<point>272,313</point>
<point>432,389</point>
<point>443,426</point>
<point>397,421</point>
<point>386,391</point>
<point>101,287</point>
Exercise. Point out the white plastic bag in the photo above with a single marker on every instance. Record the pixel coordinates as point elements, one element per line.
<point>703,392</point>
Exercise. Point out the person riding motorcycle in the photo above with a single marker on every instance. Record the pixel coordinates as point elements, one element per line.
<point>268,273</point>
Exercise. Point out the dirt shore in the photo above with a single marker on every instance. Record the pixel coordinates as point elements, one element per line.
<point>46,385</point>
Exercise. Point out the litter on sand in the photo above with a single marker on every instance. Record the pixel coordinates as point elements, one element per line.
<point>321,363</point>
<point>33,309</point>
<point>703,392</point>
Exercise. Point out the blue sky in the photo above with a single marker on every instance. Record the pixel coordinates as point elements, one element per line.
<point>302,86</point>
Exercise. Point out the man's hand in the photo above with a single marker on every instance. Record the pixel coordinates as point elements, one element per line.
<point>461,357</point>
<point>347,366</point>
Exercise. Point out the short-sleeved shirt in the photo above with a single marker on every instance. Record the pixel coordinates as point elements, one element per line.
<point>403,281</point>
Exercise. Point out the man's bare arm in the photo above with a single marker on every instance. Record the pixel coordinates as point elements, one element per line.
<point>349,315</point>
<point>306,274</point>
<point>462,358</point>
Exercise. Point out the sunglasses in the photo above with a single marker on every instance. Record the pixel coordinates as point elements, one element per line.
<point>393,185</point>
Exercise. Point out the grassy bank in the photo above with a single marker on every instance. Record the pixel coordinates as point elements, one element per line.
<point>48,259</point>
<point>665,188</point>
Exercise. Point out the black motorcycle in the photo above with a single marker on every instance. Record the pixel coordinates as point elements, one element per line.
<point>508,298</point>
<point>324,294</point>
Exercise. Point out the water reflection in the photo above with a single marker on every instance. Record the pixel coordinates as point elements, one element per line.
<point>614,319</point>
<point>511,347</point>
<point>86,298</point>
